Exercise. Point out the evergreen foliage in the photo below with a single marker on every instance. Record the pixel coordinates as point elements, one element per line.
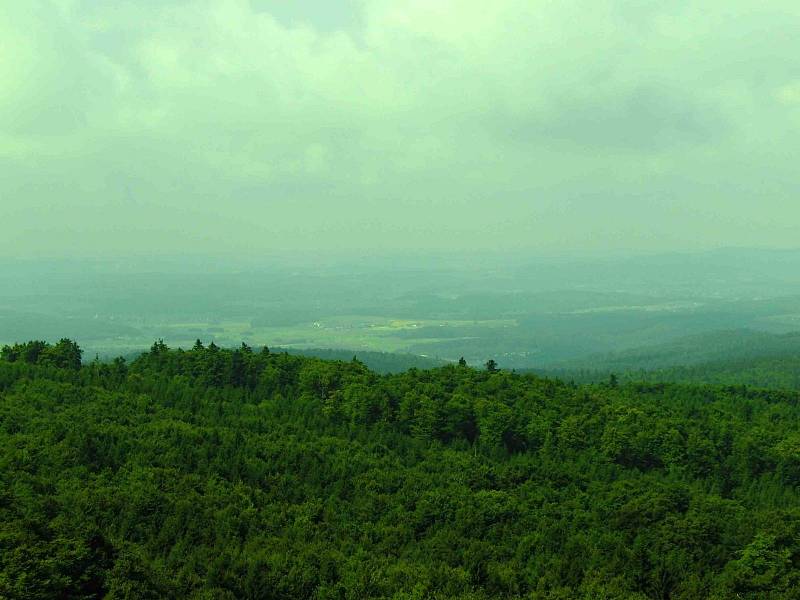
<point>245,473</point>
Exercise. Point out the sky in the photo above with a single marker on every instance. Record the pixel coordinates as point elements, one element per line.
<point>147,127</point>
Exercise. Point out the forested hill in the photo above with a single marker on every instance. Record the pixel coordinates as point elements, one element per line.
<point>717,347</point>
<point>380,362</point>
<point>765,372</point>
<point>216,473</point>
<point>769,372</point>
<point>736,357</point>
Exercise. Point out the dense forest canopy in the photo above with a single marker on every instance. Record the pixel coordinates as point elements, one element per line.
<point>245,473</point>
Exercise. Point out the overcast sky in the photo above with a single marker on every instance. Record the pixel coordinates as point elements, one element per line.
<point>171,126</point>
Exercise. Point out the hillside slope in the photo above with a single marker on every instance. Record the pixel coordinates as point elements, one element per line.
<point>380,362</point>
<point>738,357</point>
<point>717,346</point>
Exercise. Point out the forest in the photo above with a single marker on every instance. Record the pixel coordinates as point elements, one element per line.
<point>216,473</point>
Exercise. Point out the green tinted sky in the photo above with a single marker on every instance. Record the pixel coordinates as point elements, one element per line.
<point>150,126</point>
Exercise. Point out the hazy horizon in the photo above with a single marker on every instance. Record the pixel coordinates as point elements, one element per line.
<point>534,182</point>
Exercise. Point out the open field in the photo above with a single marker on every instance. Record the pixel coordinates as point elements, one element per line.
<point>523,314</point>
<point>353,332</point>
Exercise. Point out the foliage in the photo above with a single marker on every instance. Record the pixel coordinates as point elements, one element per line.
<point>216,473</point>
<point>380,362</point>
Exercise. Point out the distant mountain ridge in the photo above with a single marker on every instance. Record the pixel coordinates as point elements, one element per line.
<point>724,345</point>
<point>734,357</point>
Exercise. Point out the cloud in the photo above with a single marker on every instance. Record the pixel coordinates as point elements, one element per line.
<point>322,127</point>
<point>789,94</point>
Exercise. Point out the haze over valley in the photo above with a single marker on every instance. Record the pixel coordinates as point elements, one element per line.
<point>525,312</point>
